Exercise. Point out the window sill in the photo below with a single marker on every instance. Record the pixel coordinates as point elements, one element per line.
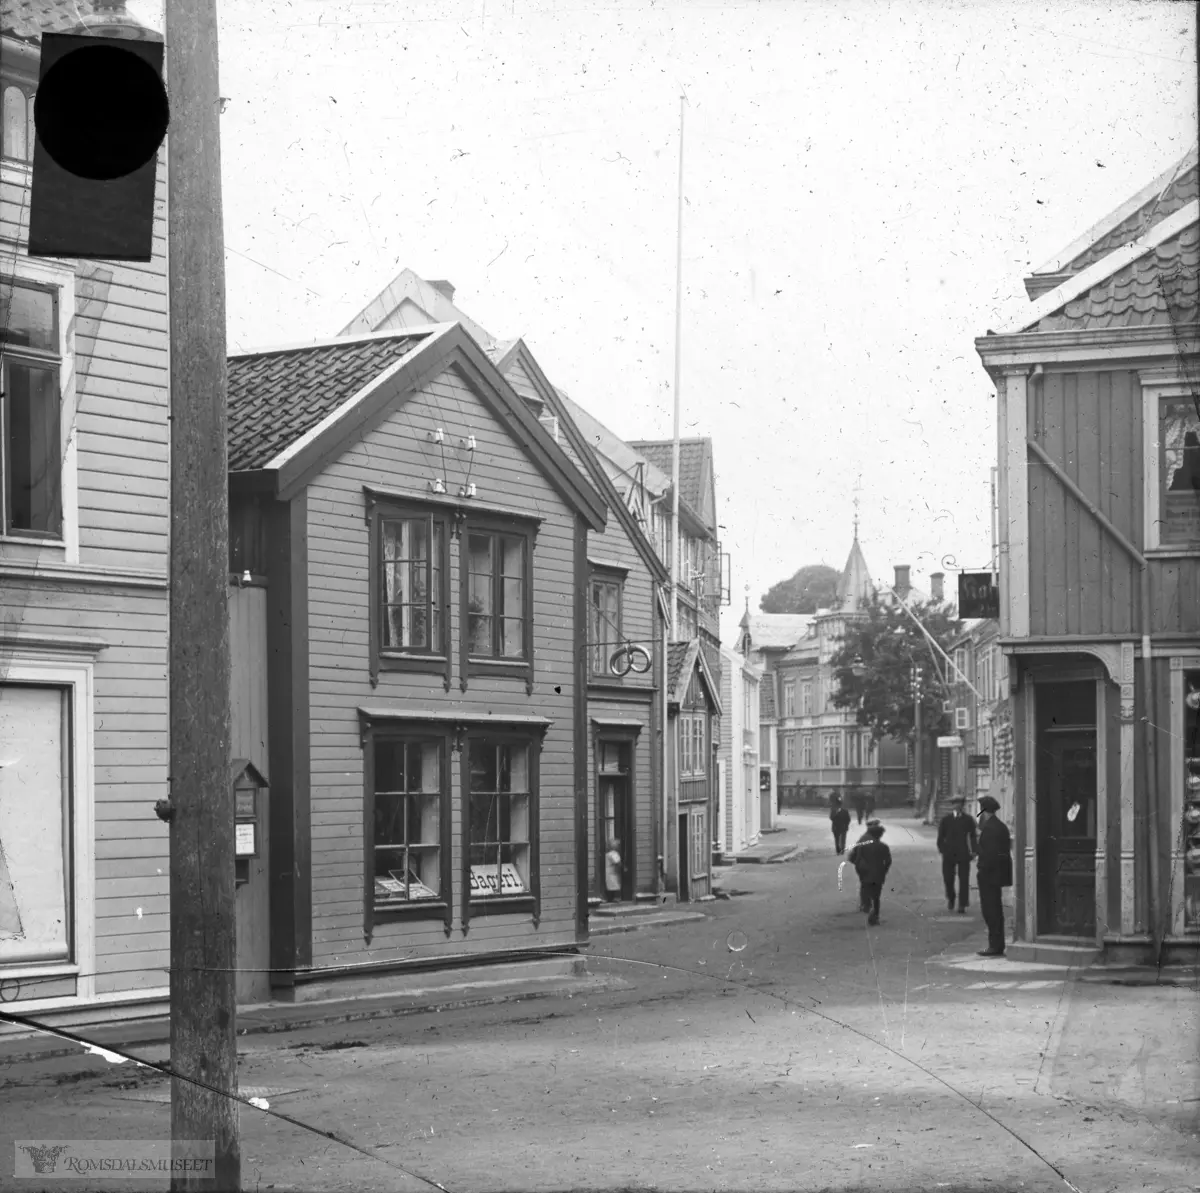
<point>434,664</point>
<point>418,910</point>
<point>36,969</point>
<point>1173,551</point>
<point>501,905</point>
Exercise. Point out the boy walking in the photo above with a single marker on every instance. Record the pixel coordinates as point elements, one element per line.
<point>871,859</point>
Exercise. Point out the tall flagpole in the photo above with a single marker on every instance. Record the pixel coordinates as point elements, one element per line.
<point>675,434</point>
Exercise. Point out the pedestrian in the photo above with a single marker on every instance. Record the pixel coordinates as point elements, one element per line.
<point>867,835</point>
<point>860,806</point>
<point>993,873</point>
<point>839,819</point>
<point>871,859</point>
<point>956,843</point>
<point>612,871</point>
<point>869,804</point>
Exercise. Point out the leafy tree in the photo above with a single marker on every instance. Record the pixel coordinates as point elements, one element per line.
<point>811,588</point>
<point>888,644</point>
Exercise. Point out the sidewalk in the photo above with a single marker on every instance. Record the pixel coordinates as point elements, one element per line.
<point>800,831</point>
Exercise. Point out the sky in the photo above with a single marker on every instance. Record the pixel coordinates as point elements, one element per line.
<point>865,186</point>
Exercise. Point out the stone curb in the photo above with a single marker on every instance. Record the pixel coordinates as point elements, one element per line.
<point>634,923</point>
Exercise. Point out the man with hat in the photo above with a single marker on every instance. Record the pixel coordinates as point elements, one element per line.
<point>871,859</point>
<point>839,819</point>
<point>956,844</point>
<point>873,822</point>
<point>993,873</point>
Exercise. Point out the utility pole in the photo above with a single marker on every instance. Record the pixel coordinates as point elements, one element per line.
<point>201,807</point>
<point>678,359</point>
<point>918,773</point>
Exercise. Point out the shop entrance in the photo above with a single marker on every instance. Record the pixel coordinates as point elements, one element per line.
<point>614,784</point>
<point>1066,809</point>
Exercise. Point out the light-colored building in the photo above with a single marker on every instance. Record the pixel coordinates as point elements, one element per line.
<point>742,811</point>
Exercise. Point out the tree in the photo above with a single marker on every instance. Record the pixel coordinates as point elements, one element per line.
<point>887,645</point>
<point>811,588</point>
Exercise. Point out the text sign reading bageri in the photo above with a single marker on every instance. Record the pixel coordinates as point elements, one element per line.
<point>485,881</point>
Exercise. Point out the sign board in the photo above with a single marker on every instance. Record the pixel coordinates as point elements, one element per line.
<point>978,595</point>
<point>949,743</point>
<point>979,761</point>
<point>392,887</point>
<point>485,881</point>
<point>245,842</point>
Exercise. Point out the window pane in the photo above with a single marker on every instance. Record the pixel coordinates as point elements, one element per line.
<point>515,773</point>
<point>27,316</point>
<point>16,126</point>
<point>406,583</point>
<point>483,766</point>
<point>389,766</point>
<point>1180,430</point>
<point>435,587</point>
<point>479,594</point>
<point>513,645</point>
<point>34,450</point>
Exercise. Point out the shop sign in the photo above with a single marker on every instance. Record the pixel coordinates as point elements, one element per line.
<point>485,881</point>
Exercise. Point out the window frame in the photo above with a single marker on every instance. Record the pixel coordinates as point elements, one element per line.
<point>789,751</point>
<point>1159,385</point>
<point>806,751</point>
<point>60,283</point>
<point>472,666</point>
<point>806,698</point>
<point>789,698</point>
<point>424,909</point>
<point>831,738</point>
<point>379,511</point>
<point>493,905</point>
<point>615,577</point>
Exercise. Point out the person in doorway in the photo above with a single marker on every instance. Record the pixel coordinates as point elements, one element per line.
<point>612,871</point>
<point>839,820</point>
<point>957,844</point>
<point>993,873</point>
<point>871,859</point>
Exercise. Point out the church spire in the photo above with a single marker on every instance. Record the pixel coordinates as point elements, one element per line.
<point>857,492</point>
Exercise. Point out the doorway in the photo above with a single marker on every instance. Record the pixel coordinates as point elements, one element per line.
<point>685,884</point>
<point>1066,809</point>
<point>614,788</point>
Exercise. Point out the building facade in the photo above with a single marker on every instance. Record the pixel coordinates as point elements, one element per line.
<point>742,813</point>
<point>1099,521</point>
<point>84,517</point>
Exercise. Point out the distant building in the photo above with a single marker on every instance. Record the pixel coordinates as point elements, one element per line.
<point>742,810</point>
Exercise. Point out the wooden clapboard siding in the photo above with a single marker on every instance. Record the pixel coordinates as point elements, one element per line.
<point>122,475</point>
<point>1081,580</point>
<point>398,454</point>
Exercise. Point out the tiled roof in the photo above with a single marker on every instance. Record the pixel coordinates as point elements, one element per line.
<point>692,456</point>
<point>1178,194</point>
<point>677,653</point>
<point>778,630</point>
<point>29,19</point>
<point>1133,296</point>
<point>277,396</point>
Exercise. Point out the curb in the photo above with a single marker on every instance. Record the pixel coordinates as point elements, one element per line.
<point>634,923</point>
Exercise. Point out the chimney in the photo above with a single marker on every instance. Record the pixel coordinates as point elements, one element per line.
<point>445,289</point>
<point>902,584</point>
<point>935,587</point>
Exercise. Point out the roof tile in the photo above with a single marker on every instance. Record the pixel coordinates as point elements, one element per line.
<point>276,397</point>
<point>29,19</point>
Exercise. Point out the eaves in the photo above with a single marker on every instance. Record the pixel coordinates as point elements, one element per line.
<point>1111,345</point>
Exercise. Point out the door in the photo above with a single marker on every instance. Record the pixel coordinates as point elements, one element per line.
<point>614,787</point>
<point>685,886</point>
<point>701,852</point>
<point>1066,818</point>
<point>749,802</point>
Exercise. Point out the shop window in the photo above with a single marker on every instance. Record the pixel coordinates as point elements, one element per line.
<point>604,622</point>
<point>31,411</point>
<point>36,880</point>
<point>497,599</point>
<point>500,823</point>
<point>407,823</point>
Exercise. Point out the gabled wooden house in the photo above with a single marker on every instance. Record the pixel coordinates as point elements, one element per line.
<point>1099,455</point>
<point>409,546</point>
<point>84,515</point>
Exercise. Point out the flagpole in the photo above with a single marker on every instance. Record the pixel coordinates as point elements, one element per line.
<point>675,433</point>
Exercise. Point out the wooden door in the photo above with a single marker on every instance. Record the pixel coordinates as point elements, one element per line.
<point>614,785</point>
<point>1066,819</point>
<point>684,892</point>
<point>701,852</point>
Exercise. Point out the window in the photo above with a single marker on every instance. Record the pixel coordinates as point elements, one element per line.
<point>36,880</point>
<point>497,601</point>
<point>409,854</point>
<point>32,448</point>
<point>1171,438</point>
<point>853,749</point>
<point>692,741</point>
<point>604,622</point>
<point>831,749</point>
<point>960,665</point>
<point>789,698</point>
<point>806,752</point>
<point>500,821</point>
<point>18,134</point>
<point>789,751</point>
<point>806,698</point>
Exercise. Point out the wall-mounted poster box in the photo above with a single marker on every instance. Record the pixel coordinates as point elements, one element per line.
<point>245,839</point>
<point>248,784</point>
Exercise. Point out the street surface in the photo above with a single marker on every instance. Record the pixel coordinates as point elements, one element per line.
<point>777,1044</point>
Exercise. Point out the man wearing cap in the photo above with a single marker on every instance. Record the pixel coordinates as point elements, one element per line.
<point>993,873</point>
<point>872,859</point>
<point>863,903</point>
<point>956,844</point>
<point>839,819</point>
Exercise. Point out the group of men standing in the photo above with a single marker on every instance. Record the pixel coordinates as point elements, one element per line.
<point>961,840</point>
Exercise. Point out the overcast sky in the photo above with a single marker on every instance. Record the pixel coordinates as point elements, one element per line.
<point>866,186</point>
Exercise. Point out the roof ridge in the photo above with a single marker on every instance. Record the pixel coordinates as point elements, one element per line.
<point>427,329</point>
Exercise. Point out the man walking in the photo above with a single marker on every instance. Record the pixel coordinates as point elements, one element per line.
<point>839,820</point>
<point>993,873</point>
<point>871,859</point>
<point>956,843</point>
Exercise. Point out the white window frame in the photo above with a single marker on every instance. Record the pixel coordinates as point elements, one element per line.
<point>789,698</point>
<point>67,670</point>
<point>806,752</point>
<point>831,738</point>
<point>1158,384</point>
<point>806,697</point>
<point>60,278</point>
<point>789,751</point>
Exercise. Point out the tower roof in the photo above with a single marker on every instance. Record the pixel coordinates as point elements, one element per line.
<point>854,589</point>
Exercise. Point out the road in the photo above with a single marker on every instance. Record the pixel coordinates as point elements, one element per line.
<point>778,1044</point>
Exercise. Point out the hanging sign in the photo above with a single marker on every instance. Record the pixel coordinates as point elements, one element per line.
<point>949,743</point>
<point>978,595</point>
<point>979,761</point>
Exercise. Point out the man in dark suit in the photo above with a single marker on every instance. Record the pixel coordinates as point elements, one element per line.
<point>871,859</point>
<point>993,873</point>
<point>956,844</point>
<point>839,820</point>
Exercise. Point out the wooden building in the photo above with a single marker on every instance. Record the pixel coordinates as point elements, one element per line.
<point>84,513</point>
<point>1099,439</point>
<point>410,545</point>
<point>743,811</point>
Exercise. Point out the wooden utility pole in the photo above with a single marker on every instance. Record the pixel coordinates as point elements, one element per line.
<point>203,948</point>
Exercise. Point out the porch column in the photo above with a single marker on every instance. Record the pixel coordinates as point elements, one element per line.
<point>1127,839</point>
<point>1101,880</point>
<point>1029,739</point>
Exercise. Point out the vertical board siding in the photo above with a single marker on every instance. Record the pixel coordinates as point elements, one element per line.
<point>397,454</point>
<point>248,675</point>
<point>120,370</point>
<point>1081,580</point>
